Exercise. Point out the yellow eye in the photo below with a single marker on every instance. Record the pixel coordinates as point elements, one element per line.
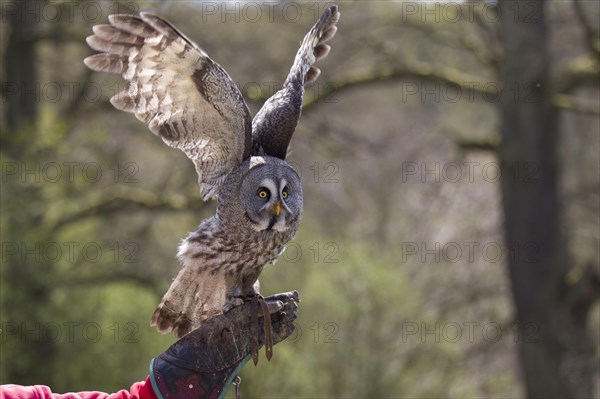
<point>262,193</point>
<point>284,194</point>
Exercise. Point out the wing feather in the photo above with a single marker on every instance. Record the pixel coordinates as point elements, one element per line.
<point>274,125</point>
<point>185,97</point>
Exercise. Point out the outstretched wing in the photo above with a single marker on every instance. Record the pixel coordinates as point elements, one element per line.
<point>274,125</point>
<point>186,98</point>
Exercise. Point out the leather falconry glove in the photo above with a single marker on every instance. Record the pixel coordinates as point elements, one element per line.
<point>204,363</point>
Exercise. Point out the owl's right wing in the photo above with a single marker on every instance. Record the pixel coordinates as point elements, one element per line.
<point>274,125</point>
<point>186,98</point>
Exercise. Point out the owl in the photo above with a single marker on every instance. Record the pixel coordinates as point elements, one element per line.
<point>191,103</point>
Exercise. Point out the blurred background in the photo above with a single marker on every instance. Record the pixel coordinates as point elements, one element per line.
<point>449,155</point>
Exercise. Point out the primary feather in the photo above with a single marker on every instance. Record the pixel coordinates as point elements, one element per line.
<point>186,98</point>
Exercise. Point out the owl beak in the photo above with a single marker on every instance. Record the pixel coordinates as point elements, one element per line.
<point>277,208</point>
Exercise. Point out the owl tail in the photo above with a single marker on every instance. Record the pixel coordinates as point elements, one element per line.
<point>185,305</point>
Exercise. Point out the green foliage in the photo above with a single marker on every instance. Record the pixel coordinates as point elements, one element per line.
<point>347,331</point>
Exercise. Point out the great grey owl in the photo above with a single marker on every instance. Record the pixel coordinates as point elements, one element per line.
<point>190,102</point>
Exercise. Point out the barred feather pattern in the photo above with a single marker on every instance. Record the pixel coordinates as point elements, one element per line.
<point>216,264</point>
<point>275,123</point>
<point>186,98</point>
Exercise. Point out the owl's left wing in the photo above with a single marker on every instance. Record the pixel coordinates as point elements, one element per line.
<point>186,98</point>
<point>274,125</point>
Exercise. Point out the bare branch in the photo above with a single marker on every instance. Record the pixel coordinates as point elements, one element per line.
<point>577,72</point>
<point>422,71</point>
<point>574,104</point>
<point>487,55</point>
<point>473,84</point>
<point>125,201</point>
<point>592,36</point>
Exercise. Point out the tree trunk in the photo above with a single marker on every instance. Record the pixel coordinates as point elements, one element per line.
<point>21,94</point>
<point>28,279</point>
<point>552,342</point>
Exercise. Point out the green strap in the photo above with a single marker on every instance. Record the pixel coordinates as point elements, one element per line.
<point>233,374</point>
<point>153,381</point>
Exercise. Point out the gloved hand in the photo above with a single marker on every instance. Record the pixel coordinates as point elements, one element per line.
<point>204,363</point>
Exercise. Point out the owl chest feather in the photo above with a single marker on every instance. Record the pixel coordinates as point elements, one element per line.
<point>241,253</point>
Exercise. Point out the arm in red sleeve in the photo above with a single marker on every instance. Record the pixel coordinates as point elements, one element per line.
<point>139,390</point>
<point>203,363</point>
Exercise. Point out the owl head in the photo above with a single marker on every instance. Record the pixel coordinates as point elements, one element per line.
<point>269,194</point>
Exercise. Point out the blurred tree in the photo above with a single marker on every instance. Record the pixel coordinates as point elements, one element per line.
<point>558,363</point>
<point>20,67</point>
<point>20,96</point>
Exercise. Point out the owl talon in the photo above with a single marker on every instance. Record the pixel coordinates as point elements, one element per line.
<point>236,299</point>
<point>232,303</point>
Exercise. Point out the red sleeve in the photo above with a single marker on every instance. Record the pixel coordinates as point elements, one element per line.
<point>139,390</point>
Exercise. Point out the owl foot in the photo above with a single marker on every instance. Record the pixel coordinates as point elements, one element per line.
<point>232,303</point>
<point>255,300</point>
<point>237,297</point>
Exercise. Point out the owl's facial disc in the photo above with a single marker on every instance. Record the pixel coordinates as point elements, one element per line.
<point>274,210</point>
<point>269,208</point>
<point>271,196</point>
